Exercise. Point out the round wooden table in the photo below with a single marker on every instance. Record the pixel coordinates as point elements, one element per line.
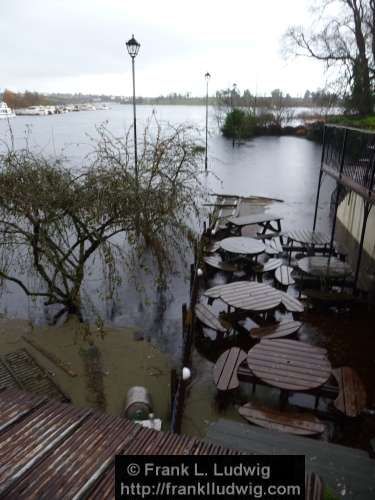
<point>289,364</point>
<point>324,267</point>
<point>242,245</point>
<point>251,296</point>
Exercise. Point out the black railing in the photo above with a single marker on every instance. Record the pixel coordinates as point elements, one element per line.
<point>349,156</point>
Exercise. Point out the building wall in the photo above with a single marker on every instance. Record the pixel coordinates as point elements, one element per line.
<point>350,217</point>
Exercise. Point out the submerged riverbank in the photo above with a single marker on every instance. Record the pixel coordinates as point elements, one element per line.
<point>106,362</point>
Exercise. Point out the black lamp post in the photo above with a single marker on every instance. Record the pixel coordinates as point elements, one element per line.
<point>207,77</point>
<point>133,47</point>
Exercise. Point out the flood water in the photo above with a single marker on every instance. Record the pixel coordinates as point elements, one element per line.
<point>278,167</point>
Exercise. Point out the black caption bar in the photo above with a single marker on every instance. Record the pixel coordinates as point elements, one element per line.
<point>210,477</point>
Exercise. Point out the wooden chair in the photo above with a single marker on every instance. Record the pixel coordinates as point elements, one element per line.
<point>352,396</point>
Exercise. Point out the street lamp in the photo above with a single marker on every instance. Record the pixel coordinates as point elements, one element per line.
<point>133,47</point>
<point>207,77</point>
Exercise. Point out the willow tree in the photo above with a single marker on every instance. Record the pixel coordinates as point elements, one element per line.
<point>53,219</point>
<point>343,38</point>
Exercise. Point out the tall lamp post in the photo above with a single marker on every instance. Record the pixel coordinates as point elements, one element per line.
<point>207,77</point>
<point>133,47</point>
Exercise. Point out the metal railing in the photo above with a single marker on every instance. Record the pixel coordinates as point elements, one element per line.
<point>349,156</point>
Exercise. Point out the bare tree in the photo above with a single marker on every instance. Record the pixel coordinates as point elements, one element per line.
<point>344,41</point>
<point>54,220</point>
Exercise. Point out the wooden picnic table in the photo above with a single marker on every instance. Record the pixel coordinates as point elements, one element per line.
<point>242,245</point>
<point>262,219</point>
<point>324,267</point>
<point>251,297</point>
<point>289,364</point>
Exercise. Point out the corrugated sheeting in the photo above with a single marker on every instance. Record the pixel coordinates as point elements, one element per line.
<point>53,450</point>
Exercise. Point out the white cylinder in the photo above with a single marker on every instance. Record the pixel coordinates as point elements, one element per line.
<point>186,373</point>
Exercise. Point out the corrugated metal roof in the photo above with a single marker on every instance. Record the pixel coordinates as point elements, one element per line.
<point>50,449</point>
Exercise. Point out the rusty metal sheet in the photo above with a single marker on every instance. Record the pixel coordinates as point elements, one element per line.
<point>33,377</point>
<point>7,378</point>
<point>57,451</point>
<point>14,405</point>
<point>28,441</point>
<point>79,461</point>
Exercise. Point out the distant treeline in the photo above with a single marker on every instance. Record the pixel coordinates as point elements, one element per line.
<point>231,97</point>
<point>23,100</point>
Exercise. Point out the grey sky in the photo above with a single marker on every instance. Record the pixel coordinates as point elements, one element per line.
<point>79,46</point>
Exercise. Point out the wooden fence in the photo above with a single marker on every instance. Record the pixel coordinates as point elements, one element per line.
<point>178,385</point>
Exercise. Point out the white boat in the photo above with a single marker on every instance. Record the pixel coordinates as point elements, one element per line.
<point>102,107</point>
<point>87,107</point>
<point>5,111</point>
<point>33,111</point>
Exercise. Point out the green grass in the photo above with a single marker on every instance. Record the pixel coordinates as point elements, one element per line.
<point>329,495</point>
<point>364,122</point>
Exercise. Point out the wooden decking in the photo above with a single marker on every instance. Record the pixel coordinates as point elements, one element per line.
<point>349,472</point>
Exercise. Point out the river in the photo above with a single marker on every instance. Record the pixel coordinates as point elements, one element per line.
<point>278,167</point>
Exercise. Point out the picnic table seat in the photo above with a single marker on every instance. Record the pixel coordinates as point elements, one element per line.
<point>291,304</point>
<point>213,247</point>
<point>269,236</point>
<point>283,276</point>
<point>352,396</point>
<point>268,266</point>
<point>208,318</point>
<point>302,424</point>
<point>314,486</point>
<point>279,330</point>
<point>271,265</point>
<point>226,368</point>
<point>273,246</point>
<point>217,262</point>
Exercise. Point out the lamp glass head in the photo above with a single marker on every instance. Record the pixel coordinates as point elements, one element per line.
<point>132,46</point>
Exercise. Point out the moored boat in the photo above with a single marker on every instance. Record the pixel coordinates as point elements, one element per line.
<point>5,111</point>
<point>33,111</point>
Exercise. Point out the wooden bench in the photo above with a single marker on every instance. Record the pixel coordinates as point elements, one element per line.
<point>213,247</point>
<point>208,318</point>
<point>217,262</point>
<point>314,487</point>
<point>283,276</point>
<point>302,424</point>
<point>291,304</point>
<point>271,265</point>
<point>283,329</point>
<point>226,368</point>
<point>352,396</point>
<point>273,246</point>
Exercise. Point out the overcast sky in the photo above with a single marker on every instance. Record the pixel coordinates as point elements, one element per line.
<point>79,46</point>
